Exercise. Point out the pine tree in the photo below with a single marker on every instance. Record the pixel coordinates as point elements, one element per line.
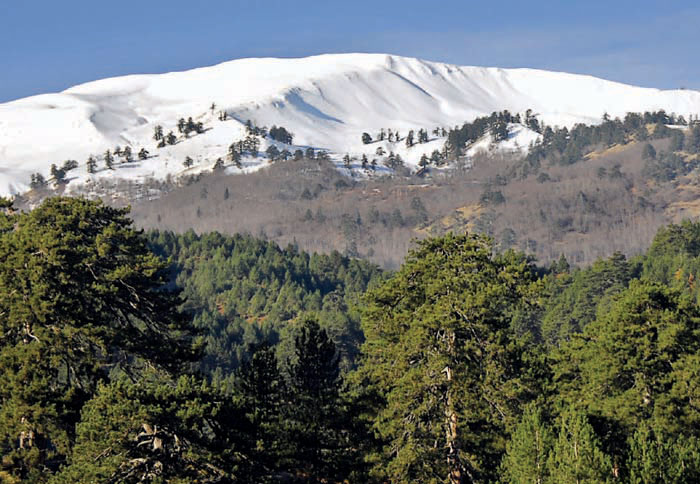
<point>109,160</point>
<point>365,161</point>
<point>422,136</point>
<point>158,133</point>
<point>91,165</point>
<point>315,422</point>
<point>439,351</point>
<point>272,153</point>
<point>346,160</point>
<point>143,154</point>
<point>181,124</point>
<point>655,457</point>
<point>159,431</point>
<point>37,181</point>
<point>57,174</point>
<point>366,138</point>
<point>409,139</point>
<point>69,165</point>
<point>261,391</point>
<point>636,361</point>
<point>190,126</point>
<point>576,455</point>
<point>188,162</point>
<point>171,139</point>
<point>424,161</point>
<point>527,452</point>
<point>95,302</point>
<point>219,164</point>
<point>126,153</point>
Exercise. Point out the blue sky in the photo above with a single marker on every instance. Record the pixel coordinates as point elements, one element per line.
<point>49,45</point>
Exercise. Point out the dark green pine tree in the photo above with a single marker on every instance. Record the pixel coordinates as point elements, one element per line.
<point>261,391</point>
<point>158,430</point>
<point>37,181</point>
<point>190,126</point>
<point>272,152</point>
<point>82,297</point>
<point>126,153</point>
<point>439,349</point>
<point>109,160</point>
<point>181,125</point>
<point>171,139</point>
<point>366,138</point>
<point>409,138</point>
<point>188,162</point>
<point>424,161</point>
<point>57,174</point>
<point>637,362</point>
<point>315,422</point>
<point>143,154</point>
<point>91,165</point>
<point>158,132</point>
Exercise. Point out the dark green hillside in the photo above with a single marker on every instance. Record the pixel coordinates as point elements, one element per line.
<point>244,291</point>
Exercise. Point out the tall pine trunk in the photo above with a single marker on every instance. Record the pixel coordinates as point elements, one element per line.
<point>454,465</point>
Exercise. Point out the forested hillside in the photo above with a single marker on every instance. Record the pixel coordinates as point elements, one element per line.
<point>159,357</point>
<point>244,292</point>
<point>586,192</point>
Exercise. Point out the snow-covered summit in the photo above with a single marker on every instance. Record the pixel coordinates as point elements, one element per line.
<point>326,101</point>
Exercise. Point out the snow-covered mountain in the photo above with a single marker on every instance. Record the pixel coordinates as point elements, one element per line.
<point>326,101</point>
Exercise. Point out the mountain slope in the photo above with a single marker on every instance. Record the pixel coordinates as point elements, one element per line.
<point>327,101</point>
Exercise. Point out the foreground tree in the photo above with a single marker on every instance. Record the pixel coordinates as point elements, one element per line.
<point>315,421</point>
<point>440,352</point>
<point>157,430</point>
<point>527,452</point>
<point>81,298</point>
<point>577,457</point>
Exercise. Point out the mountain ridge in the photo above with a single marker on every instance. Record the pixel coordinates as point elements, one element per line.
<point>327,101</point>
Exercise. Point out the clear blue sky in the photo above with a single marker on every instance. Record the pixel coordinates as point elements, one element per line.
<point>49,45</point>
